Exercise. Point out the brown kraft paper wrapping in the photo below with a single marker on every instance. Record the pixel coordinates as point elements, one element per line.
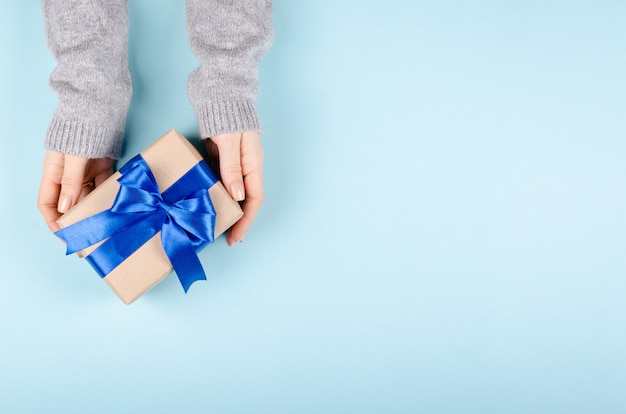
<point>169,158</point>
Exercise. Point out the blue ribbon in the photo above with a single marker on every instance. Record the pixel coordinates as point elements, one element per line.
<point>184,214</point>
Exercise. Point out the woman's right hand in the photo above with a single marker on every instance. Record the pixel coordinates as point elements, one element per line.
<point>66,180</point>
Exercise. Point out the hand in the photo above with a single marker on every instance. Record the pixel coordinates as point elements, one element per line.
<point>240,157</point>
<point>66,180</point>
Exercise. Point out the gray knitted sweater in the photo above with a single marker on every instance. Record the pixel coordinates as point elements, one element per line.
<point>89,40</point>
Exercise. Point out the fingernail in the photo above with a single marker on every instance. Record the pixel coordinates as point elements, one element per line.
<point>237,191</point>
<point>234,242</point>
<point>64,204</point>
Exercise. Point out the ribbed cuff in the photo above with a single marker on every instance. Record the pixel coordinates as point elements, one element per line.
<point>221,116</point>
<point>84,139</point>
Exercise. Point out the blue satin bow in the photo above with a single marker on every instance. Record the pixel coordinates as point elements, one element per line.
<point>184,214</point>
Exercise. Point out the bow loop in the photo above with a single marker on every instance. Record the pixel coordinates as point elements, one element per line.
<point>135,200</point>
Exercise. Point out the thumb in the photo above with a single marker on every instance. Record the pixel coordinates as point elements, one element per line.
<point>229,148</point>
<point>71,182</point>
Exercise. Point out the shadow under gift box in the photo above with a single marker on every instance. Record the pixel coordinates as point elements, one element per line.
<point>169,158</point>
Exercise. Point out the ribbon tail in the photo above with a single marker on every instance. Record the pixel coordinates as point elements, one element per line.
<point>94,229</point>
<point>182,255</point>
<point>120,246</point>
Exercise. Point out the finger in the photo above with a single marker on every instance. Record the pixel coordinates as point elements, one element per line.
<point>106,172</point>
<point>71,182</point>
<point>47,202</point>
<point>49,188</point>
<point>252,166</point>
<point>229,149</point>
<point>87,188</point>
<point>104,164</point>
<point>250,207</point>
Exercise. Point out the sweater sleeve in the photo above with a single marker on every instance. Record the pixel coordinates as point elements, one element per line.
<point>89,40</point>
<point>229,38</point>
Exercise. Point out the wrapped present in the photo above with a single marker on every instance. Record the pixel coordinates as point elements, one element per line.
<point>150,217</point>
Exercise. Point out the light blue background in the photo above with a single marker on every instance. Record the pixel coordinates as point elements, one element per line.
<point>444,230</point>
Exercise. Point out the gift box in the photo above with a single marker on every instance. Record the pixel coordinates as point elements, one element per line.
<point>150,217</point>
